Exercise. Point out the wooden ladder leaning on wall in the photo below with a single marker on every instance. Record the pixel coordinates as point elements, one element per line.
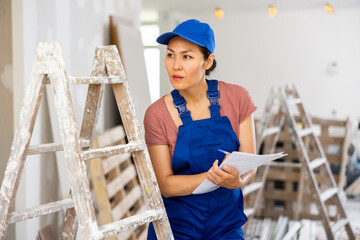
<point>107,68</point>
<point>311,154</point>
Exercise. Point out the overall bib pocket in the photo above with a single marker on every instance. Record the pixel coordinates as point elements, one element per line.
<point>204,152</point>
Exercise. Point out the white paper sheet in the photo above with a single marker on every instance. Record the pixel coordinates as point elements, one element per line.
<point>243,162</point>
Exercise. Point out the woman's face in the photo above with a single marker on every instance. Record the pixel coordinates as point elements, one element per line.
<point>184,63</point>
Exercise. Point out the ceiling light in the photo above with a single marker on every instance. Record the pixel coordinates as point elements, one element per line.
<point>329,8</point>
<point>219,13</point>
<point>272,11</point>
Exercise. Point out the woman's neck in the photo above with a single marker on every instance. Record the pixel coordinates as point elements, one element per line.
<point>196,93</point>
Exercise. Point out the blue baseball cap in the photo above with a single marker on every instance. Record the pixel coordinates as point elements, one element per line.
<point>194,31</point>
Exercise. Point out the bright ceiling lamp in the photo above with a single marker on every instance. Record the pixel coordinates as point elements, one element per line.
<point>329,8</point>
<point>272,11</point>
<point>219,13</point>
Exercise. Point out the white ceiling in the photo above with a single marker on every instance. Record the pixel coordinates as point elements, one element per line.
<point>241,5</point>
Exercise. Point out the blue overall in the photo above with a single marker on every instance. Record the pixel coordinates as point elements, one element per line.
<point>220,213</point>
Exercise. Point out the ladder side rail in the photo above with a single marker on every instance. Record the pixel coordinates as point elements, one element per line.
<point>316,139</point>
<point>72,150</point>
<point>292,127</point>
<point>270,103</point>
<point>337,199</point>
<point>21,144</point>
<point>142,160</point>
<point>260,192</point>
<point>87,132</point>
<point>279,123</point>
<point>132,127</point>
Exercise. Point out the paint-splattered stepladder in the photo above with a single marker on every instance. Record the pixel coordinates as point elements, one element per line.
<point>49,68</point>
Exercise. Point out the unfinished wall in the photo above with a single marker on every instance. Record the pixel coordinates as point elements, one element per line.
<point>320,53</point>
<point>79,26</point>
<point>6,88</point>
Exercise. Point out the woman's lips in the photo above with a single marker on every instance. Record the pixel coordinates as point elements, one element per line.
<point>177,77</point>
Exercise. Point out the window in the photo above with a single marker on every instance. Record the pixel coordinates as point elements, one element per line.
<point>149,33</point>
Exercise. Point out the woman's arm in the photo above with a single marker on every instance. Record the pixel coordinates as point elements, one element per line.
<point>229,178</point>
<point>171,185</point>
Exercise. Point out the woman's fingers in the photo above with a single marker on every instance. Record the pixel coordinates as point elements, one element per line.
<point>228,177</point>
<point>230,170</point>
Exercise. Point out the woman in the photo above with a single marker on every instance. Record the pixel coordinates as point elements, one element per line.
<point>185,129</point>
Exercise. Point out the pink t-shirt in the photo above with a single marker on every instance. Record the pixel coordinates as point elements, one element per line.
<point>160,128</point>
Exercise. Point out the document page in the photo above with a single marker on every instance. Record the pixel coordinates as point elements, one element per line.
<point>243,162</point>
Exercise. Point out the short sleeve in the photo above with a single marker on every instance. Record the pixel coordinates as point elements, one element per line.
<point>247,106</point>
<point>154,131</point>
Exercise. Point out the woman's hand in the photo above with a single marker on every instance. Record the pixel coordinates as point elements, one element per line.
<point>227,178</point>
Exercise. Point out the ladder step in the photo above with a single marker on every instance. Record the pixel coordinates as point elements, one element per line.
<point>339,224</point>
<point>96,80</point>
<point>294,100</point>
<point>249,211</point>
<point>114,150</point>
<point>251,188</point>
<point>304,132</point>
<point>51,147</point>
<point>130,222</point>
<point>44,209</point>
<point>270,131</point>
<point>328,194</point>
<point>317,163</point>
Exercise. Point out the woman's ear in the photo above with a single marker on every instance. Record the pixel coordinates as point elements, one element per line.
<point>209,61</point>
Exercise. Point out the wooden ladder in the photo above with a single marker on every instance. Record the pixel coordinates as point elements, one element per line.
<point>271,127</point>
<point>280,107</point>
<point>313,160</point>
<point>107,68</point>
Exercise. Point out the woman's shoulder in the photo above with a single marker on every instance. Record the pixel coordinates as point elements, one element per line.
<point>155,109</point>
<point>231,87</point>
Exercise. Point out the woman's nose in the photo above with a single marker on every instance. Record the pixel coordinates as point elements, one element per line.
<point>177,64</point>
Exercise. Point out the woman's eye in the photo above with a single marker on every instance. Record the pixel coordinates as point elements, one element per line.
<point>170,55</point>
<point>187,57</point>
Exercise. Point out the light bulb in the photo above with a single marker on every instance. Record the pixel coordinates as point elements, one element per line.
<point>272,11</point>
<point>329,8</point>
<point>219,13</point>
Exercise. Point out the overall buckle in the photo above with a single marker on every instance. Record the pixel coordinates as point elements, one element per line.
<point>213,98</point>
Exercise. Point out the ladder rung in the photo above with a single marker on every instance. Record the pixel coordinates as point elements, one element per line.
<point>249,211</point>
<point>270,131</point>
<point>304,132</point>
<point>51,147</point>
<point>96,80</point>
<point>294,100</point>
<point>285,164</point>
<point>44,209</point>
<point>317,163</point>
<point>339,224</point>
<point>328,194</point>
<point>130,222</point>
<point>251,188</point>
<point>114,150</point>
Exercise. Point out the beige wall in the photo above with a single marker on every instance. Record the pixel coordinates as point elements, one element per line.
<point>6,89</point>
<point>6,93</point>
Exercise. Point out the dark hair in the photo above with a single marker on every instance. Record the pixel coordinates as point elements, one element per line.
<point>206,53</point>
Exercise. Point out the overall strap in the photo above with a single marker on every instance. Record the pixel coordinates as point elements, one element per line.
<point>213,95</point>
<point>180,104</point>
